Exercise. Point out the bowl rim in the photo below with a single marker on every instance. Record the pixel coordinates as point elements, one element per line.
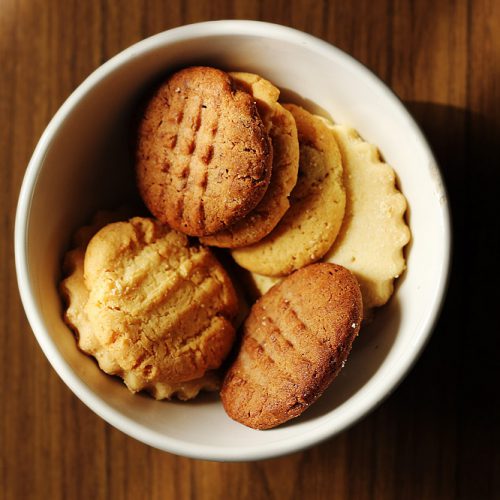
<point>371,398</point>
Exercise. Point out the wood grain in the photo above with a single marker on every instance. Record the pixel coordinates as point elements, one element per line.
<point>438,435</point>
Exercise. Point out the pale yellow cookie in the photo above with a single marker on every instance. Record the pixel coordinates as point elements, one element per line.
<point>317,203</point>
<point>151,308</point>
<point>282,131</point>
<point>371,240</point>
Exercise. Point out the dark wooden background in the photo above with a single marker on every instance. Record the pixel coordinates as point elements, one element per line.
<point>438,435</point>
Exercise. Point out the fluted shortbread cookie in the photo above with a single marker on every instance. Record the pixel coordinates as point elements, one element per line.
<point>371,240</point>
<point>151,308</point>
<point>317,203</point>
<point>373,234</point>
<point>295,341</point>
<point>282,130</point>
<point>204,158</point>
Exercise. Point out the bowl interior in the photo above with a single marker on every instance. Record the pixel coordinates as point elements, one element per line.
<point>84,162</point>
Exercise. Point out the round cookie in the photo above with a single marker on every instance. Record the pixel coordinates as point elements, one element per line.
<point>203,159</point>
<point>76,294</point>
<point>295,341</point>
<point>371,240</point>
<point>283,133</point>
<point>150,308</point>
<point>317,203</point>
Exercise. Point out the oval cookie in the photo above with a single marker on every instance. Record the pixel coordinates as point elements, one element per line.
<point>151,308</point>
<point>283,133</point>
<point>295,341</point>
<point>204,158</point>
<point>317,203</point>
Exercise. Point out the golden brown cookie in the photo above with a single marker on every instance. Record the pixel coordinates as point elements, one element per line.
<point>151,308</point>
<point>295,341</point>
<point>317,203</point>
<point>371,240</point>
<point>283,133</point>
<point>76,296</point>
<point>204,158</point>
<point>75,293</point>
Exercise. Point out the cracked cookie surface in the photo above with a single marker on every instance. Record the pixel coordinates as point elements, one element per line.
<point>204,158</point>
<point>295,341</point>
<point>151,308</point>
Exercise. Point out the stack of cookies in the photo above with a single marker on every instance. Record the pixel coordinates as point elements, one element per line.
<point>220,162</point>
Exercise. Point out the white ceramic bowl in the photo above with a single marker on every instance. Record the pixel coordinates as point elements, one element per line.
<point>86,148</point>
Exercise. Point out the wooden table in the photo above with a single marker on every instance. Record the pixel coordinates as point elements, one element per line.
<point>437,436</point>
